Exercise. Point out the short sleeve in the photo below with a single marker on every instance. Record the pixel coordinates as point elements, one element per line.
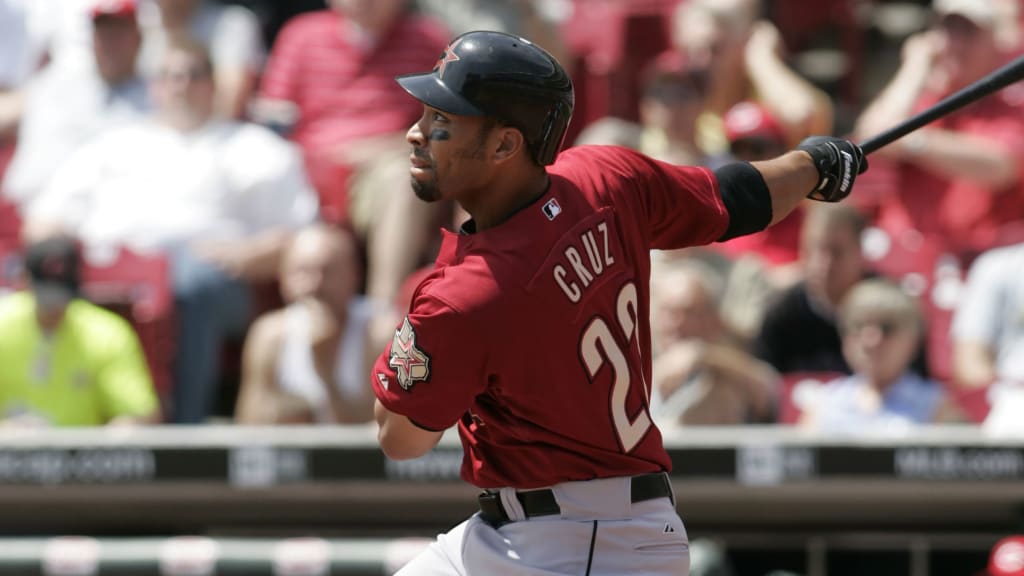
<point>433,369</point>
<point>978,314</point>
<point>680,204</point>
<point>125,383</point>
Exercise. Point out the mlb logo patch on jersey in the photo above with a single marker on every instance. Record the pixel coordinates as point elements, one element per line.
<point>552,209</point>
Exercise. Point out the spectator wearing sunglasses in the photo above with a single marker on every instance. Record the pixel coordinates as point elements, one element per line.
<point>881,328</point>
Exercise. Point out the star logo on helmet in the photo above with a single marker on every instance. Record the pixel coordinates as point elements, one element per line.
<point>411,364</point>
<point>448,57</point>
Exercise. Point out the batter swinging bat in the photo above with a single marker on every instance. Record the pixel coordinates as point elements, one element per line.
<point>996,80</point>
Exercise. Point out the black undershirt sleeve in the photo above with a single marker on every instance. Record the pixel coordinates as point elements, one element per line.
<point>746,198</point>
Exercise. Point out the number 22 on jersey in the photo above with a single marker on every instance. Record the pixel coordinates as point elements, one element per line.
<point>598,347</point>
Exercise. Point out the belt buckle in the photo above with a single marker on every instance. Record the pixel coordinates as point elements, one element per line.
<point>491,509</point>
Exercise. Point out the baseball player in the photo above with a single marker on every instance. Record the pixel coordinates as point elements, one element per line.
<point>532,332</point>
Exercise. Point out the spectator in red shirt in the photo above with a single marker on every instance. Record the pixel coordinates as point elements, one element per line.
<point>337,67</point>
<point>958,181</point>
<point>330,82</point>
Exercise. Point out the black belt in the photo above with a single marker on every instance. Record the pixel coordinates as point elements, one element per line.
<point>542,502</point>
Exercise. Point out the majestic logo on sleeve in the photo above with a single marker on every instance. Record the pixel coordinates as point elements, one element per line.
<point>410,363</point>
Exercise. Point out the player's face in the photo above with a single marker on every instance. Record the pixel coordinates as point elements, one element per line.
<point>449,159</point>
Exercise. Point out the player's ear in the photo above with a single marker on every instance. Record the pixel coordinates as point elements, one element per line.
<point>509,142</point>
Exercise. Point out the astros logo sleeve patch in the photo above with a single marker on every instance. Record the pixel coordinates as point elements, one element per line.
<point>410,363</point>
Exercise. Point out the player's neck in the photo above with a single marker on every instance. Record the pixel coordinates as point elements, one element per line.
<point>507,197</point>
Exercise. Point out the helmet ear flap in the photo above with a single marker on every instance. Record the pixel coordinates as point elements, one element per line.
<point>552,133</point>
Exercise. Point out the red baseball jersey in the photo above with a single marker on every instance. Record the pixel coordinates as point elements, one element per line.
<point>534,335</point>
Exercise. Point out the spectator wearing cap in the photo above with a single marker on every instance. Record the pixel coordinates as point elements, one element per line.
<point>67,362</point>
<point>671,99</point>
<point>882,329</point>
<point>231,33</point>
<point>957,182</point>
<point>67,105</point>
<point>220,198</point>
<point>755,134</point>
<point>745,59</point>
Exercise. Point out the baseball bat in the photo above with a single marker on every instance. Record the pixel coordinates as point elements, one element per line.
<point>994,81</point>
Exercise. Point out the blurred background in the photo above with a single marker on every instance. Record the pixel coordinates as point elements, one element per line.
<point>207,236</point>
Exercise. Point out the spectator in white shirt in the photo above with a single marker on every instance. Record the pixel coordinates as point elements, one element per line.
<point>219,197</point>
<point>67,105</point>
<point>19,58</point>
<point>988,327</point>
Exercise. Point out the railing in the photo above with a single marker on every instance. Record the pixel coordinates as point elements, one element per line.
<point>760,487</point>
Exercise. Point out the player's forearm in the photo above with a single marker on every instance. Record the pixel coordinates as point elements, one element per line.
<point>399,438</point>
<point>789,178</point>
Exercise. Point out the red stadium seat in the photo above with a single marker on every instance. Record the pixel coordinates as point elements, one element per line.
<point>139,287</point>
<point>974,402</point>
<point>10,222</point>
<point>330,179</point>
<point>798,388</point>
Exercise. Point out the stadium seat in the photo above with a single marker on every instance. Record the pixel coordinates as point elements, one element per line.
<point>10,222</point>
<point>798,389</point>
<point>330,179</point>
<point>138,286</point>
<point>974,402</point>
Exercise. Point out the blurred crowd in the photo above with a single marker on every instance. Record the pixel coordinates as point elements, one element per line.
<point>205,209</point>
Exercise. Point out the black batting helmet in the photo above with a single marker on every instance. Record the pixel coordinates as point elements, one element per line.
<point>504,76</point>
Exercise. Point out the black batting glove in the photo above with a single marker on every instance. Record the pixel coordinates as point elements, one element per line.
<point>838,162</point>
